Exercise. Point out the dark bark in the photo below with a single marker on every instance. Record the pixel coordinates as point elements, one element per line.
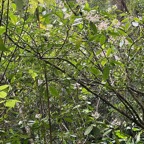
<point>121,5</point>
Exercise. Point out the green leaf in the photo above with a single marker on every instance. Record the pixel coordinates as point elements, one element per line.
<point>88,130</point>
<point>104,61</point>
<point>125,20</point>
<point>107,132</point>
<point>129,40</point>
<point>93,27</point>
<point>95,71</point>
<point>102,39</point>
<point>2,46</point>
<point>3,87</point>
<point>50,2</point>
<point>135,129</point>
<point>34,5</point>
<point>13,18</point>
<point>3,94</point>
<point>138,137</point>
<point>33,74</point>
<point>127,26</point>
<point>121,135</point>
<point>87,7</point>
<point>68,119</point>
<point>53,91</point>
<point>108,52</point>
<point>2,30</point>
<point>85,91</point>
<point>106,73</point>
<point>2,101</point>
<point>122,32</point>
<point>59,14</point>
<point>11,103</point>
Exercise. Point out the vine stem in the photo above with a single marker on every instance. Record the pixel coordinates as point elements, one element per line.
<point>48,104</point>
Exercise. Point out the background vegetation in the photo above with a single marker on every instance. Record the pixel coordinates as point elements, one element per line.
<point>71,72</point>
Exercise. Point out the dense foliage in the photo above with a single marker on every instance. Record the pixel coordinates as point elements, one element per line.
<point>71,72</point>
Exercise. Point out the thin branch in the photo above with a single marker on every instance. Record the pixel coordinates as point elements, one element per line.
<point>138,122</point>
<point>2,9</point>
<point>7,22</point>
<point>48,100</point>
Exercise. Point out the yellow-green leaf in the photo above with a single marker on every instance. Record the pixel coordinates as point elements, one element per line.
<point>53,91</point>
<point>13,18</point>
<point>3,94</point>
<point>87,7</point>
<point>121,135</point>
<point>11,103</point>
<point>102,39</point>
<point>108,52</point>
<point>33,5</point>
<point>41,1</point>
<point>33,74</point>
<point>2,30</point>
<point>3,87</point>
<point>50,2</point>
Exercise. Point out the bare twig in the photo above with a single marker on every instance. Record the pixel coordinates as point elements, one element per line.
<point>48,100</point>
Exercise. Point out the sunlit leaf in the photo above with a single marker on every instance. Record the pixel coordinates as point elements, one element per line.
<point>42,26</point>
<point>121,135</point>
<point>125,20</point>
<point>85,91</point>
<point>13,18</point>
<point>33,5</point>
<point>104,61</point>
<point>3,94</point>
<point>33,74</point>
<point>11,103</point>
<point>59,14</point>
<point>135,129</point>
<point>87,7</point>
<point>109,51</point>
<point>50,2</point>
<point>102,39</point>
<point>3,87</point>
